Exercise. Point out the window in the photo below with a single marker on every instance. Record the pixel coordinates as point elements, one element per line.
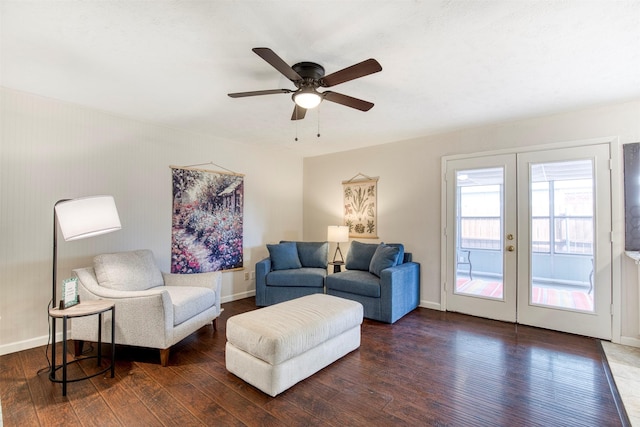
<point>561,204</point>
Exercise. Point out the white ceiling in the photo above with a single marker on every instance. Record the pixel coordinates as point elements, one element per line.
<point>446,64</point>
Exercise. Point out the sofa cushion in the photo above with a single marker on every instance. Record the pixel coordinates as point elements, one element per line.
<point>313,254</point>
<point>301,277</point>
<point>128,271</point>
<point>189,301</point>
<point>385,256</point>
<point>400,247</point>
<point>355,282</point>
<point>284,256</point>
<point>360,254</point>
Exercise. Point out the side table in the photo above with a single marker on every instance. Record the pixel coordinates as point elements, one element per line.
<point>337,266</point>
<point>88,308</point>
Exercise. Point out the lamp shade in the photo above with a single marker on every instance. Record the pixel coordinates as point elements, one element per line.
<point>307,98</point>
<point>338,233</point>
<point>87,217</point>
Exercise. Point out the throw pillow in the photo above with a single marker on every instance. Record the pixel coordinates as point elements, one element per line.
<point>284,256</point>
<point>359,256</point>
<point>400,247</point>
<point>128,271</point>
<point>385,256</point>
<point>313,254</point>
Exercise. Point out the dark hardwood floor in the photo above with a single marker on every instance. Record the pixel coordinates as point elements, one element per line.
<point>430,368</point>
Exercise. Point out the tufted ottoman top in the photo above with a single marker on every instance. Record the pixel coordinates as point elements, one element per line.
<point>282,331</point>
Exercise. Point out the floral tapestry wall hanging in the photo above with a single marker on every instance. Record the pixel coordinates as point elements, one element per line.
<point>206,230</point>
<point>361,207</point>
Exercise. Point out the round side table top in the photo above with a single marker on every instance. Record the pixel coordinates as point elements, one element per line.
<point>82,309</point>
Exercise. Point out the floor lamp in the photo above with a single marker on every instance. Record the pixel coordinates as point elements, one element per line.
<point>78,219</point>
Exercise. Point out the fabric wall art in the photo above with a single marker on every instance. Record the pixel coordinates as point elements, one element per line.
<point>206,230</point>
<point>361,206</point>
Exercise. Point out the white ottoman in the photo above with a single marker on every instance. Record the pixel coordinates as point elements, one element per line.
<point>275,347</point>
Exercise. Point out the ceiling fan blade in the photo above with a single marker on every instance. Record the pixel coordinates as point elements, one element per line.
<point>361,69</point>
<point>298,112</point>
<point>259,92</point>
<point>349,101</point>
<point>276,62</point>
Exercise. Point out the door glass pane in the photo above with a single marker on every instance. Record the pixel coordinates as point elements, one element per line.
<point>479,225</point>
<point>562,235</point>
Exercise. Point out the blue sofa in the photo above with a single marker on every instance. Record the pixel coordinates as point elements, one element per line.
<point>381,277</point>
<point>292,270</point>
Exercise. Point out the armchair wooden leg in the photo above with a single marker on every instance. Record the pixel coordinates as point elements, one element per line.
<point>164,357</point>
<point>77,347</point>
<point>215,324</point>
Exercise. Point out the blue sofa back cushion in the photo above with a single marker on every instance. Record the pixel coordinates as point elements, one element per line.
<point>360,254</point>
<point>312,254</point>
<point>284,256</point>
<point>385,256</point>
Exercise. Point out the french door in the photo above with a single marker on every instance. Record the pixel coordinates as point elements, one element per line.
<point>528,238</point>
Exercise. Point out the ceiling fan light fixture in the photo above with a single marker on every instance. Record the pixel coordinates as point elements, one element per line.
<point>307,98</point>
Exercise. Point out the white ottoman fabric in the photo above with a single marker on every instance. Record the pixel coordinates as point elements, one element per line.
<point>275,347</point>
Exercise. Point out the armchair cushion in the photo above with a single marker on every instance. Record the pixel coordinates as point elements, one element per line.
<point>360,254</point>
<point>128,271</point>
<point>385,256</point>
<point>284,256</point>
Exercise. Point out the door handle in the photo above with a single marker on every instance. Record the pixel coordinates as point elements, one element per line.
<point>511,248</point>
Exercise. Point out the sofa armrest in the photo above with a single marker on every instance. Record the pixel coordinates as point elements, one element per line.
<point>263,267</point>
<point>210,280</point>
<point>401,285</point>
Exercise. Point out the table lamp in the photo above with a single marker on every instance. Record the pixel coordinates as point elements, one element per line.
<point>338,234</point>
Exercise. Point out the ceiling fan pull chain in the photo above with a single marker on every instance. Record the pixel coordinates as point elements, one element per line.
<point>318,121</point>
<point>296,112</point>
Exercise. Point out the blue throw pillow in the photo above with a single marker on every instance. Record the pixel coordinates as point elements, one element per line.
<point>385,256</point>
<point>400,246</point>
<point>313,254</point>
<point>360,254</point>
<point>284,256</point>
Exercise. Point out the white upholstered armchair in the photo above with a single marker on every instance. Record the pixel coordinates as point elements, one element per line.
<point>153,309</point>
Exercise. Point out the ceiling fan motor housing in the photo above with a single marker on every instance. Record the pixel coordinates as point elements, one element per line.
<point>309,70</point>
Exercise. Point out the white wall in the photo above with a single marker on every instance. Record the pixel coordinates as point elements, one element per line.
<point>410,182</point>
<point>51,150</point>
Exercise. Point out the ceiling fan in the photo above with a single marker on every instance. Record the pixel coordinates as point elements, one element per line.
<point>309,76</point>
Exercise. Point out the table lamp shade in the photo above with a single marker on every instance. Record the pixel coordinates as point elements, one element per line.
<point>338,233</point>
<point>87,217</point>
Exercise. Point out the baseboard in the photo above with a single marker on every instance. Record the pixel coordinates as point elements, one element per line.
<point>431,305</point>
<point>27,344</point>
<point>238,296</point>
